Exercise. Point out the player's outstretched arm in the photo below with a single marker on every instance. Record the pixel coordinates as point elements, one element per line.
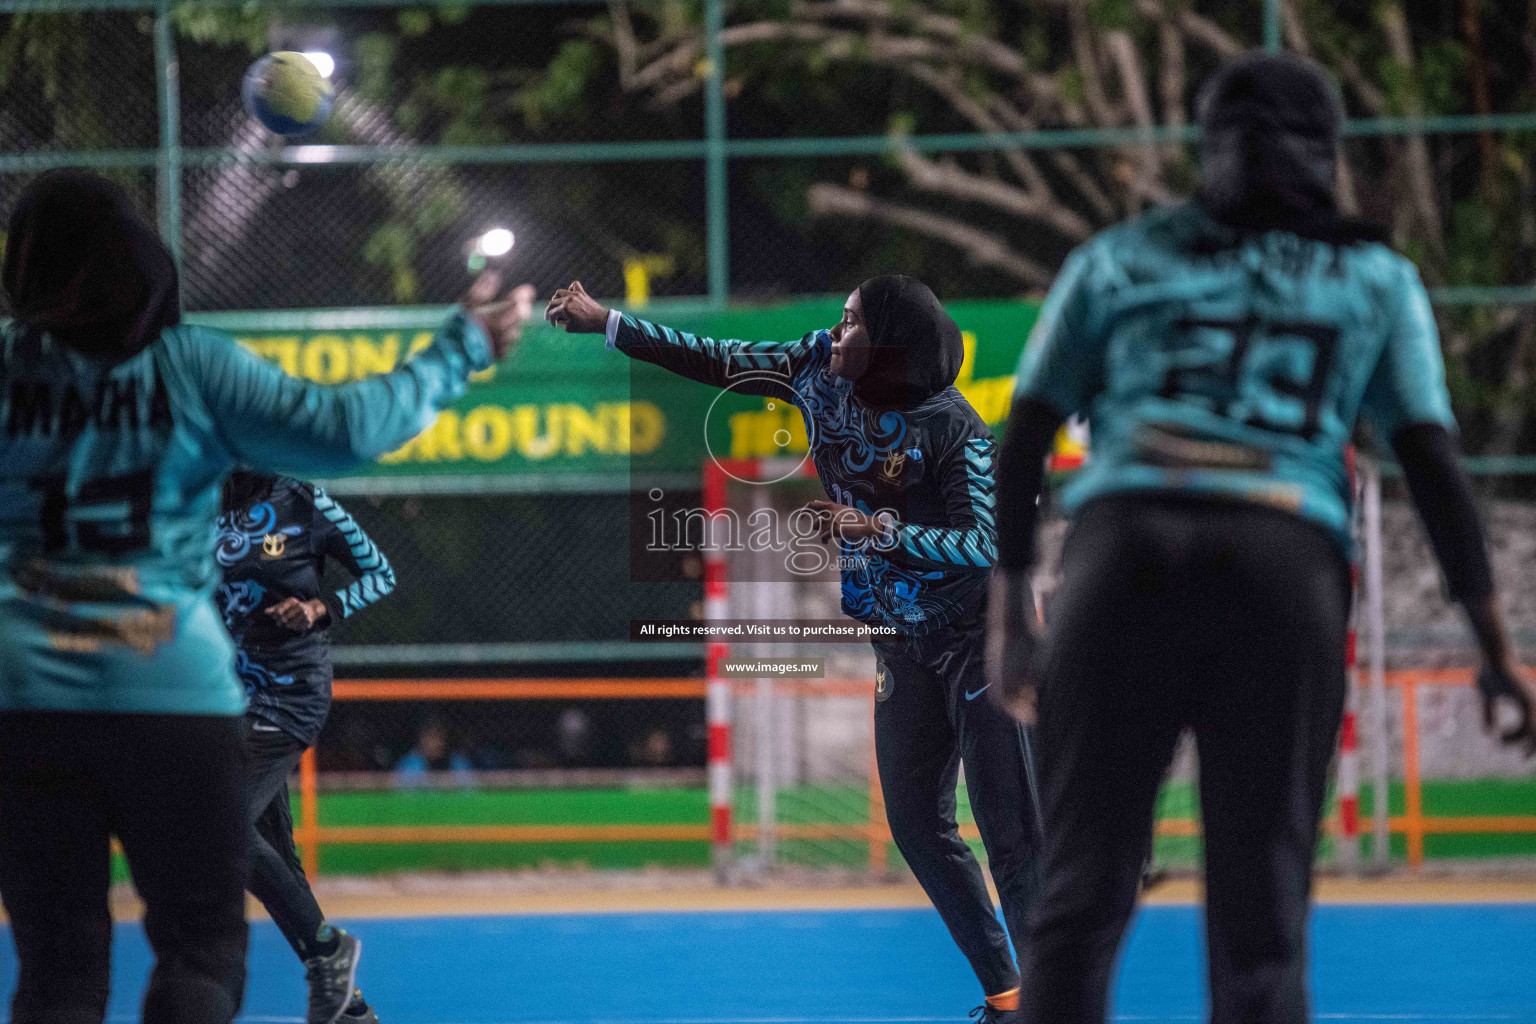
<point>342,539</point>
<point>750,367</point>
<point>271,420</point>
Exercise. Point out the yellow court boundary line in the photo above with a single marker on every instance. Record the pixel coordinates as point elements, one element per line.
<point>1179,892</point>
<point>513,902</point>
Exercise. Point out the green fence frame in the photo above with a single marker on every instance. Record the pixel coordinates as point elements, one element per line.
<point>714,147</point>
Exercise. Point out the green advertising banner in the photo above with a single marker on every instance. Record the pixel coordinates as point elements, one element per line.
<point>564,404</point>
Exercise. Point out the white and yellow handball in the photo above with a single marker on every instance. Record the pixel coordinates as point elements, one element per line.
<point>287,93</point>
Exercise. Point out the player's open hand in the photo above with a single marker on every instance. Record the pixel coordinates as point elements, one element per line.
<point>1509,684</point>
<point>299,616</point>
<point>576,311</point>
<point>501,320</point>
<point>1013,644</point>
<point>844,523</point>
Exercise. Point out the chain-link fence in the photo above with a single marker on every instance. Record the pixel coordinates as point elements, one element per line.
<point>737,150</point>
<point>740,151</point>
<point>496,586</point>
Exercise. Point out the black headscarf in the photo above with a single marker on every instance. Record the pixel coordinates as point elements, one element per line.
<point>244,488</point>
<point>1269,149</point>
<point>915,347</point>
<point>81,265</point>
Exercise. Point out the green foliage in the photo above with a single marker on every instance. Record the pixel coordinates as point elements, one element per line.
<point>1074,86</point>
<point>1034,45</point>
<point>1399,86</point>
<point>783,190</point>
<point>245,24</point>
<point>1443,76</point>
<point>454,104</point>
<point>51,53</point>
<point>373,57</point>
<point>390,248</point>
<point>560,90</point>
<point>1473,254</point>
<point>1112,14</point>
<point>41,47</point>
<point>414,22</point>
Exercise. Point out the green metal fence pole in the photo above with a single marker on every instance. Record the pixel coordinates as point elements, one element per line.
<point>717,205</point>
<point>168,89</point>
<point>1272,40</point>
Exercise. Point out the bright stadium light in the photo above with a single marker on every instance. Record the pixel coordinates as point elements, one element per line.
<point>323,62</point>
<point>495,242</point>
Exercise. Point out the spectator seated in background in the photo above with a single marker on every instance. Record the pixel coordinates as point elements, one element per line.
<point>654,750</point>
<point>433,754</point>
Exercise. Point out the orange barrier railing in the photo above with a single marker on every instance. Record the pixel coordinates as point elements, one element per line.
<point>311,835</point>
<point>1413,823</point>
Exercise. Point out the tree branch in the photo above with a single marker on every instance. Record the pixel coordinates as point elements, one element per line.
<point>1171,80</point>
<point>1394,24</point>
<point>1014,120</point>
<point>947,86</point>
<point>980,247</point>
<point>1088,64</point>
<point>623,39</point>
<point>995,55</point>
<point>1133,84</point>
<point>1295,33</point>
<point>948,179</point>
<point>1197,27</point>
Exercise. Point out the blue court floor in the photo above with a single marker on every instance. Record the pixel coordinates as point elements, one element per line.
<point>1401,964</point>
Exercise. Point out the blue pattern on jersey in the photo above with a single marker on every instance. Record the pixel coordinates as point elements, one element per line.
<point>233,536</point>
<point>237,600</point>
<point>908,463</point>
<point>378,579</point>
<point>257,680</point>
<point>971,547</point>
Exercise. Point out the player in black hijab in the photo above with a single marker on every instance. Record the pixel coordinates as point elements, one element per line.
<point>907,466</point>
<point>1223,351</point>
<point>82,266</point>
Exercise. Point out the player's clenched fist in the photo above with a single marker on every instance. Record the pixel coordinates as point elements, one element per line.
<point>844,522</point>
<point>299,616</point>
<point>1013,644</point>
<point>576,311</point>
<point>502,321</point>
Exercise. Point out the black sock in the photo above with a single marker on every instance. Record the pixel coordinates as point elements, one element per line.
<point>327,940</point>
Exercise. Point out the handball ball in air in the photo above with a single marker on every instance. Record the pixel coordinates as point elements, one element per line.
<point>285,92</point>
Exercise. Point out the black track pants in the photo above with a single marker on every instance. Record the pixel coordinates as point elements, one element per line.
<point>931,715</point>
<point>168,786</point>
<point>1226,619</point>
<point>277,873</point>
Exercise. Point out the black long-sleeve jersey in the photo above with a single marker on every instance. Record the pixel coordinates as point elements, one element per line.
<point>930,467</point>
<point>274,550</point>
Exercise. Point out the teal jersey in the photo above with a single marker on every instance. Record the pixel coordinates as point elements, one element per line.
<point>1234,371</point>
<point>110,479</point>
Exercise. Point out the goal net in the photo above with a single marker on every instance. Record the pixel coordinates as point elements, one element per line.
<point>807,798</point>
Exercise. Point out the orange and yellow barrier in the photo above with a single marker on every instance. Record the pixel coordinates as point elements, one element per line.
<point>1413,823</point>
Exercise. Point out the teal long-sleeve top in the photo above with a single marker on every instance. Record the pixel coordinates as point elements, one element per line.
<point>109,491</point>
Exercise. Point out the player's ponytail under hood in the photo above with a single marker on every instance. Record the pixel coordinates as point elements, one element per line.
<point>81,265</point>
<point>915,348</point>
<point>1270,127</point>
